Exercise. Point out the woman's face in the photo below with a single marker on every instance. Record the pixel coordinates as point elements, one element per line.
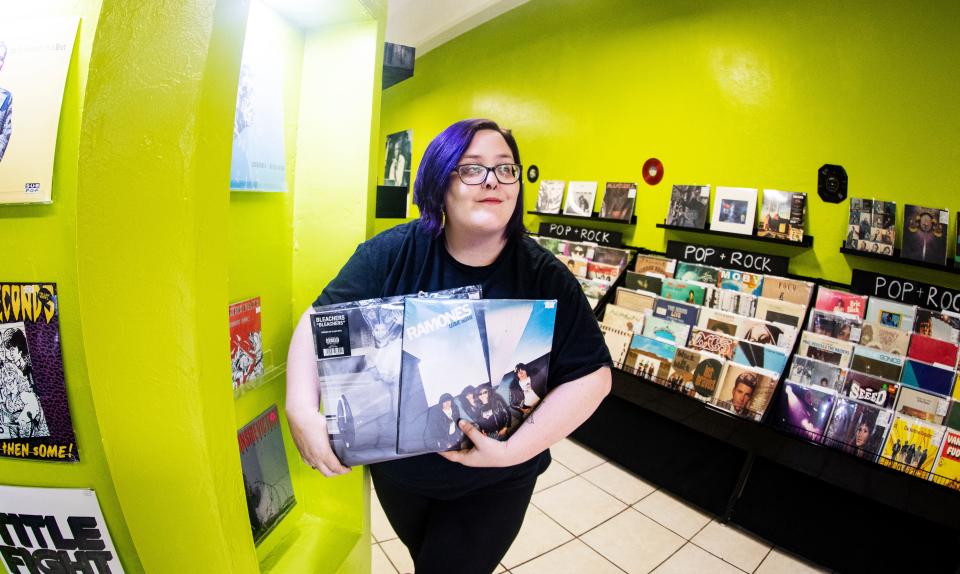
<point>863,433</point>
<point>484,396</point>
<point>484,208</point>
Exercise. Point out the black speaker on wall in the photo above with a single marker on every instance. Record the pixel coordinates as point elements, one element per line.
<point>397,63</point>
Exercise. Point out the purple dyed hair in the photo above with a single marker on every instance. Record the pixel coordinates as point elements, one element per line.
<point>441,159</point>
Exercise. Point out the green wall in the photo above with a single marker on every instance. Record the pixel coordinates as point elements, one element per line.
<point>741,93</point>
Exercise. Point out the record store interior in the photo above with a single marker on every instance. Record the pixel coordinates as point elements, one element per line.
<point>716,263</point>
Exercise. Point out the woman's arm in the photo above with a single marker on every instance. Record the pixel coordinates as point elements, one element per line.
<point>307,425</point>
<point>563,410</point>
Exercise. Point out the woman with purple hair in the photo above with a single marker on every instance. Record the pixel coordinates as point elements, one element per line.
<point>461,510</point>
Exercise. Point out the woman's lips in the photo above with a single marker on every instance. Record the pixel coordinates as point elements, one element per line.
<point>492,200</point>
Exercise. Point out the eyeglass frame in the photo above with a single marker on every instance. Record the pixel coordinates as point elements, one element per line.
<point>487,173</point>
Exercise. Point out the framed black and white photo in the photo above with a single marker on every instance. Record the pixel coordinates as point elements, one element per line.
<point>396,164</point>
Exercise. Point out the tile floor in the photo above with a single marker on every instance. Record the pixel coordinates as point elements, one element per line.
<point>590,516</point>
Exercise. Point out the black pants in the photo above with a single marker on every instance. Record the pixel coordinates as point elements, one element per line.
<point>466,535</point>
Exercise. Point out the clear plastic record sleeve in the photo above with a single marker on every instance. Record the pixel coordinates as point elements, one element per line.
<point>359,352</point>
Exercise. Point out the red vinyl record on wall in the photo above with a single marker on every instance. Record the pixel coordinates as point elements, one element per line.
<point>652,171</point>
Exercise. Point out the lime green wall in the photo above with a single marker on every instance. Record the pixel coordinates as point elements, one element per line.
<point>40,245</point>
<point>744,93</point>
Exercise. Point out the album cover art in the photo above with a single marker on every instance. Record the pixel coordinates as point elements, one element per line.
<point>765,333</point>
<point>734,210</point>
<point>719,321</point>
<point>742,281</point>
<point>649,283</point>
<point>700,273</point>
<point>883,338</point>
<point>695,373</point>
<point>788,290</point>
<point>666,330</point>
<point>550,196</point>
<point>594,290</point>
<point>891,313</point>
<point>712,342</point>
<point>921,405</point>
<point>837,325</point>
<point>765,357</point>
<point>826,349</point>
<point>246,342</point>
<point>858,428</point>
<point>654,265</point>
<point>812,372</point>
<point>266,476</point>
<point>687,292</point>
<point>676,311</point>
<point>952,419</point>
<point>925,234</point>
<point>611,256</point>
<point>743,304</point>
<point>580,198</point>
<point>930,350</point>
<point>946,471</point>
<point>576,265</point>
<point>618,341</point>
<point>841,302</point>
<point>783,312</point>
<point>872,226</point>
<point>602,272</point>
<point>651,358</point>
<point>932,378</point>
<point>623,318</point>
<point>877,363</point>
<point>500,351</point>
<point>618,200</point>
<point>911,446</point>
<point>804,411</point>
<point>745,391</point>
<point>870,389</point>
<point>943,325</point>
<point>688,206</point>
<point>782,215</point>
<point>634,300</point>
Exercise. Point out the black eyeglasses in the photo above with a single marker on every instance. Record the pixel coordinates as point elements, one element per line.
<point>474,173</point>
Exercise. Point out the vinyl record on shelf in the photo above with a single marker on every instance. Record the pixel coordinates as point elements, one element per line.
<point>533,173</point>
<point>652,171</point>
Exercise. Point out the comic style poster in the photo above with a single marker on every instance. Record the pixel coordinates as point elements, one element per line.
<point>35,419</point>
<point>258,162</point>
<point>55,530</point>
<point>34,60</point>
<point>266,476</point>
<point>246,342</point>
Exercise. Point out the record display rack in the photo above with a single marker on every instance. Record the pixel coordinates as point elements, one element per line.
<point>949,267</point>
<point>807,239</point>
<point>595,216</point>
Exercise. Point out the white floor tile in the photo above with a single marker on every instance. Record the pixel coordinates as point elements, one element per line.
<point>690,559</point>
<point>398,555</point>
<point>781,562</point>
<point>538,535</point>
<point>380,528</point>
<point>673,513</point>
<point>574,557</point>
<point>555,473</point>
<point>577,504</point>
<point>619,482</point>
<point>380,564</point>
<point>633,542</point>
<point>733,545</point>
<point>575,457</point>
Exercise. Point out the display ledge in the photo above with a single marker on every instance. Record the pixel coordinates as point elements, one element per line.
<point>314,545</point>
<point>594,217</point>
<point>872,480</point>
<point>807,239</point>
<point>950,267</point>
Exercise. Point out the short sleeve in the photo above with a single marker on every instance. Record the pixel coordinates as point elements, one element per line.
<point>578,345</point>
<point>358,279</point>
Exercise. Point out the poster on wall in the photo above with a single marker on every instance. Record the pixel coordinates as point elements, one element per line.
<point>266,476</point>
<point>35,419</point>
<point>396,168</point>
<point>55,530</point>
<point>246,342</point>
<point>34,59</point>
<point>259,162</point>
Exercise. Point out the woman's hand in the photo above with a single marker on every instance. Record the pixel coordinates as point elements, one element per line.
<point>309,432</point>
<point>486,451</point>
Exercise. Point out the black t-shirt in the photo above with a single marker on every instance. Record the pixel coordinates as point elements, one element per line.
<point>405,260</point>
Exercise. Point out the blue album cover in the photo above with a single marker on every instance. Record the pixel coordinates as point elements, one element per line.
<point>651,358</point>
<point>676,311</point>
<point>673,331</point>
<point>932,378</point>
<point>761,356</point>
<point>485,361</point>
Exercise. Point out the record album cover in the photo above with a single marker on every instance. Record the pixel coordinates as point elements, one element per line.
<point>618,341</point>
<point>550,196</point>
<point>623,318</point>
<point>943,325</point>
<point>734,210</point>
<point>742,281</point>
<point>870,389</point>
<point>712,342</point>
<point>912,446</point>
<point>700,273</point>
<point>930,350</point>
<point>246,342</point>
<point>812,372</point>
<point>676,311</point>
<point>765,357</point>
<point>651,358</point>
<point>877,363</point>
<point>745,391</point>
<point>602,272</point>
<point>837,325</point>
<point>858,428</point>
<point>883,338</point>
<point>872,226</point>
<point>720,321</point>
<point>611,256</point>
<point>35,419</point>
<point>618,200</point>
<point>580,198</point>
<point>925,234</point>
<point>500,352</point>
<point>649,283</point>
<point>782,215</point>
<point>666,330</point>
<point>932,378</point>
<point>765,333</point>
<point>695,373</point>
<point>635,300</point>
<point>946,471</point>
<point>266,476</point>
<point>684,291</point>
<point>688,206</point>
<point>654,265</point>
<point>826,349</point>
<point>891,313</point>
<point>921,405</point>
<point>735,302</point>
<point>783,312</point>
<point>841,302</point>
<point>575,265</point>
<point>804,411</point>
<point>788,290</point>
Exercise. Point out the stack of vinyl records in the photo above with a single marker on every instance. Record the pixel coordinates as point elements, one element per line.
<point>596,267</point>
